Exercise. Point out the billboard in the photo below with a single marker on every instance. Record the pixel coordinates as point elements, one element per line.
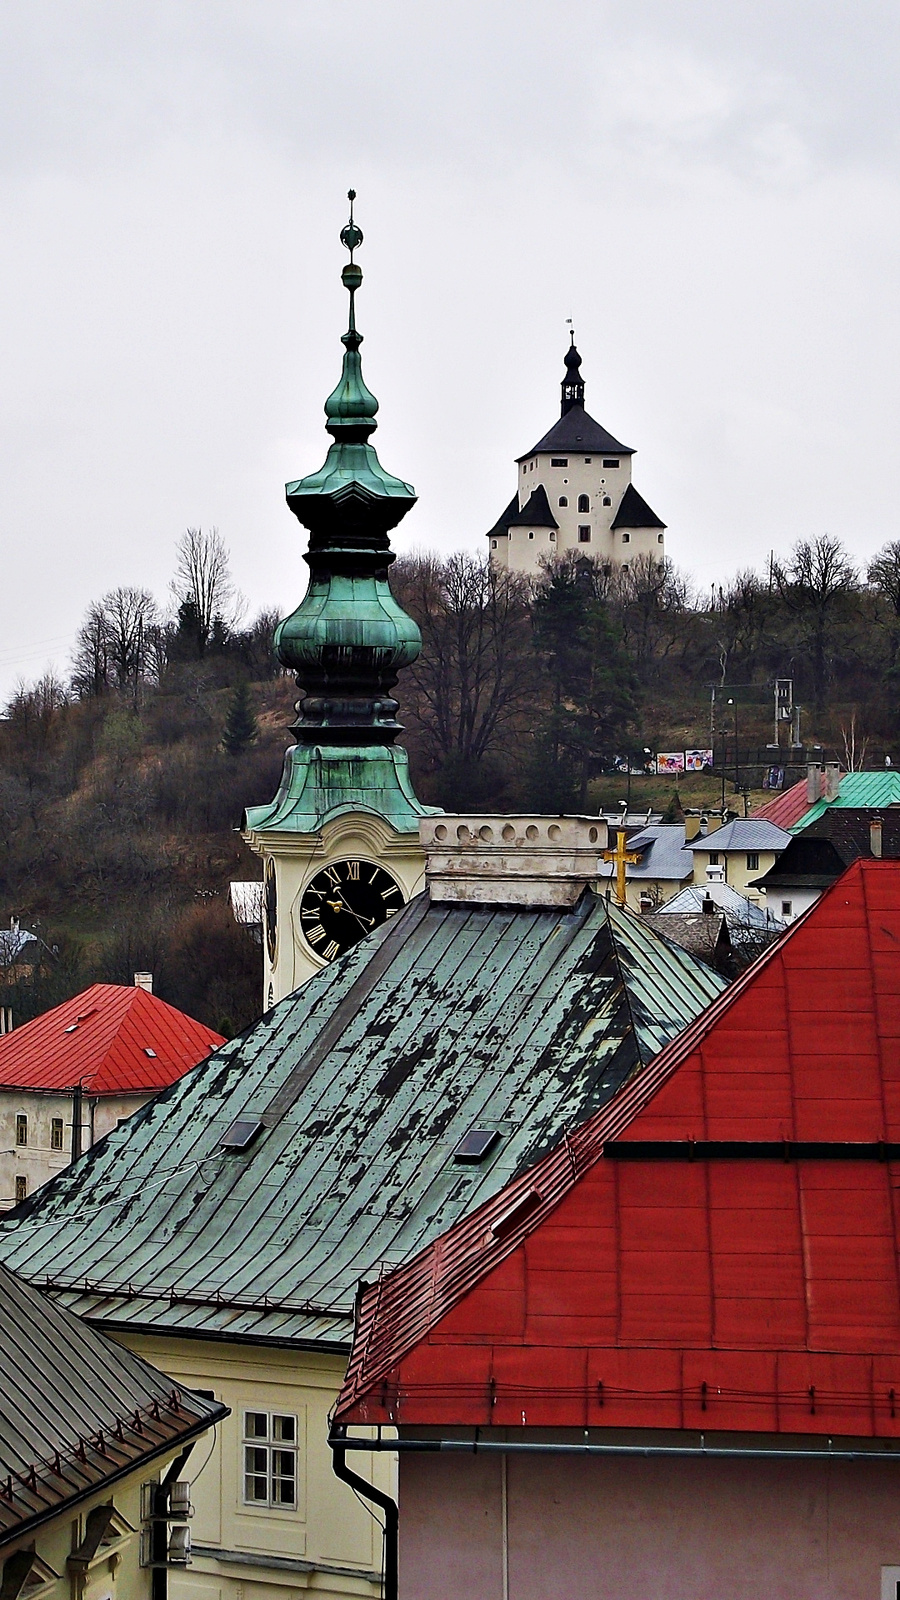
<point>670,761</point>
<point>697,760</point>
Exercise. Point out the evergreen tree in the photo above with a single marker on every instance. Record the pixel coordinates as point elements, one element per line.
<point>591,684</point>
<point>240,723</point>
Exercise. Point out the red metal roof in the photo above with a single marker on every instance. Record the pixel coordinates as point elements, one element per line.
<point>100,1039</point>
<point>730,1288</point>
<point>788,808</point>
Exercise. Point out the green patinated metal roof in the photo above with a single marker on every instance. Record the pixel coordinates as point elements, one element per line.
<point>864,790</point>
<point>319,783</point>
<point>451,1017</point>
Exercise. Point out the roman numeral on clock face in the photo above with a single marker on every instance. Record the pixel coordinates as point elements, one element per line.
<point>314,935</point>
<point>331,950</point>
<point>353,872</point>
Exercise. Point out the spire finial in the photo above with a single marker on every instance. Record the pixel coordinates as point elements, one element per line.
<point>573,383</point>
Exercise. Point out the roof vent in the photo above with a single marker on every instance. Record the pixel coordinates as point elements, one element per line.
<point>241,1134</point>
<point>475,1145</point>
<point>149,1052</point>
<point>144,980</point>
<point>518,1211</point>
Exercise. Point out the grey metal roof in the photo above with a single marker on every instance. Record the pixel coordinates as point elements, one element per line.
<point>739,911</point>
<point>663,854</point>
<point>745,833</point>
<point>450,1017</point>
<point>75,1410</point>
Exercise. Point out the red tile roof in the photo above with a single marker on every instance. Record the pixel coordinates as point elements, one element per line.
<point>101,1039</point>
<point>787,808</point>
<point>636,1278</point>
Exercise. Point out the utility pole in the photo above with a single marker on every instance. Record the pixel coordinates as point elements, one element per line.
<point>76,1121</point>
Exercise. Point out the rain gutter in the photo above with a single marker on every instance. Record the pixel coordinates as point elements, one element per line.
<point>341,1442</point>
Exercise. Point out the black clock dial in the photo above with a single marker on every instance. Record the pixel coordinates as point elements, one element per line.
<point>271,910</point>
<point>344,902</point>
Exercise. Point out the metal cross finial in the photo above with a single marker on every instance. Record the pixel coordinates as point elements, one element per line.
<point>622,857</point>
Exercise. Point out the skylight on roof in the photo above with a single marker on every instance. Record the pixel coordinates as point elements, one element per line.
<point>476,1145</point>
<point>241,1134</point>
<point>149,1052</point>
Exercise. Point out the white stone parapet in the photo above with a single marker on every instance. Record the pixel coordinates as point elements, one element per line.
<point>510,859</point>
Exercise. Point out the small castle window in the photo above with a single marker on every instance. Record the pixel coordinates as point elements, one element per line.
<point>626,538</point>
<point>584,502</point>
<point>584,535</point>
<point>624,566</point>
<point>530,534</point>
<point>659,538</point>
<point>588,460</point>
<point>606,500</point>
<point>493,544</point>
<point>610,463</point>
<point>564,499</point>
<point>552,537</point>
<point>559,461</point>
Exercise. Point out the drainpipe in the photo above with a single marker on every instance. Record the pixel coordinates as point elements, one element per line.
<point>339,1446</point>
<point>76,1121</point>
<point>701,1451</point>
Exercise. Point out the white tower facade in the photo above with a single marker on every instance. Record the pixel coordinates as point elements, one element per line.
<point>575,493</point>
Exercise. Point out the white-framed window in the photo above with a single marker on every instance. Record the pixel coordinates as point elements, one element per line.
<point>626,538</point>
<point>56,1133</point>
<point>270,1459</point>
<point>21,1129</point>
<point>752,861</point>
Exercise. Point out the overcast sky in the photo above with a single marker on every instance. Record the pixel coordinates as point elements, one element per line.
<point>709,190</point>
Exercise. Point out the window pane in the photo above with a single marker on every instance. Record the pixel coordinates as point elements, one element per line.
<point>256,1489</point>
<point>284,1428</point>
<point>256,1425</point>
<point>256,1458</point>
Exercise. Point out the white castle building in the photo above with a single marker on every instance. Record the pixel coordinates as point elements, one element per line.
<point>575,493</point>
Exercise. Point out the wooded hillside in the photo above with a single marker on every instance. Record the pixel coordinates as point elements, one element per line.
<point>121,790</point>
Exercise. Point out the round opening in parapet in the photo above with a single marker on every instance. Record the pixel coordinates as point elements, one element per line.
<point>440,831</point>
<point>509,832</point>
<point>593,836</point>
<point>485,833</point>
<point>554,831</point>
<point>462,831</point>
<point>531,832</point>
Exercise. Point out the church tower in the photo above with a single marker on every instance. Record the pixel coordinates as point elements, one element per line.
<point>340,841</point>
<point>575,493</point>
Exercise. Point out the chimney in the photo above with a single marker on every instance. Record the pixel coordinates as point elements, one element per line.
<point>708,904</point>
<point>713,822</point>
<point>875,837</point>
<point>691,828</point>
<point>646,903</point>
<point>832,780</point>
<point>715,874</point>
<point>144,980</point>
<point>813,783</point>
<point>511,860</point>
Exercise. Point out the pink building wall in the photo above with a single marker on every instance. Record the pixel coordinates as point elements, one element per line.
<point>635,1529</point>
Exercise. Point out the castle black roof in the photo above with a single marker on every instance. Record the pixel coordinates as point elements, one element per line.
<point>535,513</point>
<point>634,512</point>
<point>579,433</point>
<point>504,520</point>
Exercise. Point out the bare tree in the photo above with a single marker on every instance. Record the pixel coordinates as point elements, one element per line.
<point>203,582</point>
<point>114,647</point>
<point>476,667</point>
<point>815,586</point>
<point>884,577</point>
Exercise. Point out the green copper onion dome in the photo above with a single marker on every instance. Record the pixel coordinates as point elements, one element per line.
<point>348,638</point>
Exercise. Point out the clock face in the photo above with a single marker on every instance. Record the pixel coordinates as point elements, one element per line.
<point>271,910</point>
<point>344,902</point>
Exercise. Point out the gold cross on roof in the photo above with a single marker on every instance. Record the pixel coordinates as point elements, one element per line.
<point>621,857</point>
